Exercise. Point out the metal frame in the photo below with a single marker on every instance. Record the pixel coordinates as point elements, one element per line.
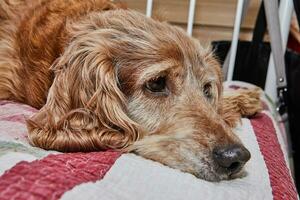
<point>191,15</point>
<point>235,39</point>
<point>285,14</point>
<point>149,8</point>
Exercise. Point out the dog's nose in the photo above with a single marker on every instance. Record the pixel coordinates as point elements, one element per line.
<point>232,158</point>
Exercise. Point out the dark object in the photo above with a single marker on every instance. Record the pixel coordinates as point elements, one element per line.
<point>292,60</point>
<point>297,10</point>
<point>252,57</point>
<point>293,82</point>
<point>246,69</point>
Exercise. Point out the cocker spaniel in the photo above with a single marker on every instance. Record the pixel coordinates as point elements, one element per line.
<point>110,78</point>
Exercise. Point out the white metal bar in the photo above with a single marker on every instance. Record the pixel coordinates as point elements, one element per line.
<point>285,14</point>
<point>274,28</point>
<point>191,17</point>
<point>149,8</point>
<point>226,61</point>
<point>235,38</point>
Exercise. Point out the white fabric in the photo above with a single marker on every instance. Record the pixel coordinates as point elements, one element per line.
<point>135,178</point>
<point>11,159</point>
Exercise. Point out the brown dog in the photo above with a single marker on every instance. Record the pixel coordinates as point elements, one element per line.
<point>119,80</point>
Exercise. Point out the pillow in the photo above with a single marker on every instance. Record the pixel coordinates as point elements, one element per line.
<point>28,172</point>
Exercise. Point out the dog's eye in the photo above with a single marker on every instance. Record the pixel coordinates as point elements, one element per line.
<point>157,86</point>
<point>207,91</point>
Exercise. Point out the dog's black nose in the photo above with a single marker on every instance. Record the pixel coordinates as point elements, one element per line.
<point>232,158</point>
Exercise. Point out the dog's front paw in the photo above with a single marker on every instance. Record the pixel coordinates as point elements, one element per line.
<point>249,102</point>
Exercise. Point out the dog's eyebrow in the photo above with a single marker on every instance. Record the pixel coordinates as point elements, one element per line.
<point>155,70</point>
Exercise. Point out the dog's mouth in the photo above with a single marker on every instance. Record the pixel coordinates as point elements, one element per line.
<point>214,173</point>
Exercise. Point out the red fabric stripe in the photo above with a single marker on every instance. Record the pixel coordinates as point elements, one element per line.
<point>280,178</point>
<point>53,175</point>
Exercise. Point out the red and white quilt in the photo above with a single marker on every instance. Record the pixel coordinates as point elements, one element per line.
<point>28,173</point>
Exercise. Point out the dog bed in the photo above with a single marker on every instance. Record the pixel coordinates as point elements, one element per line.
<point>28,172</point>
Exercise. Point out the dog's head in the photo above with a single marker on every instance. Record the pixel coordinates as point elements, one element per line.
<point>155,91</point>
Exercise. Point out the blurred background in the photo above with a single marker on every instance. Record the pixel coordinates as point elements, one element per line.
<point>213,19</point>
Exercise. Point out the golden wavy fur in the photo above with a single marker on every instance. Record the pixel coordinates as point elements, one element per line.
<point>107,78</point>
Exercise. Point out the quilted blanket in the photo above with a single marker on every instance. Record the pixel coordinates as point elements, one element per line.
<point>28,172</point>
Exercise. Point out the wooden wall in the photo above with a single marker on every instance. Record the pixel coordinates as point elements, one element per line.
<point>214,19</point>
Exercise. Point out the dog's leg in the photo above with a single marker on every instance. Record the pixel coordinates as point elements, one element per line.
<point>240,103</point>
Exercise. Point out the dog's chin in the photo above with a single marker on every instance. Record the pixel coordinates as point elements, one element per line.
<point>214,176</point>
<point>238,175</point>
<point>211,177</point>
<point>198,163</point>
<point>203,170</point>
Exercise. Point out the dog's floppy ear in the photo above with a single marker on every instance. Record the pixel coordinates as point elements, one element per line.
<point>85,109</point>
